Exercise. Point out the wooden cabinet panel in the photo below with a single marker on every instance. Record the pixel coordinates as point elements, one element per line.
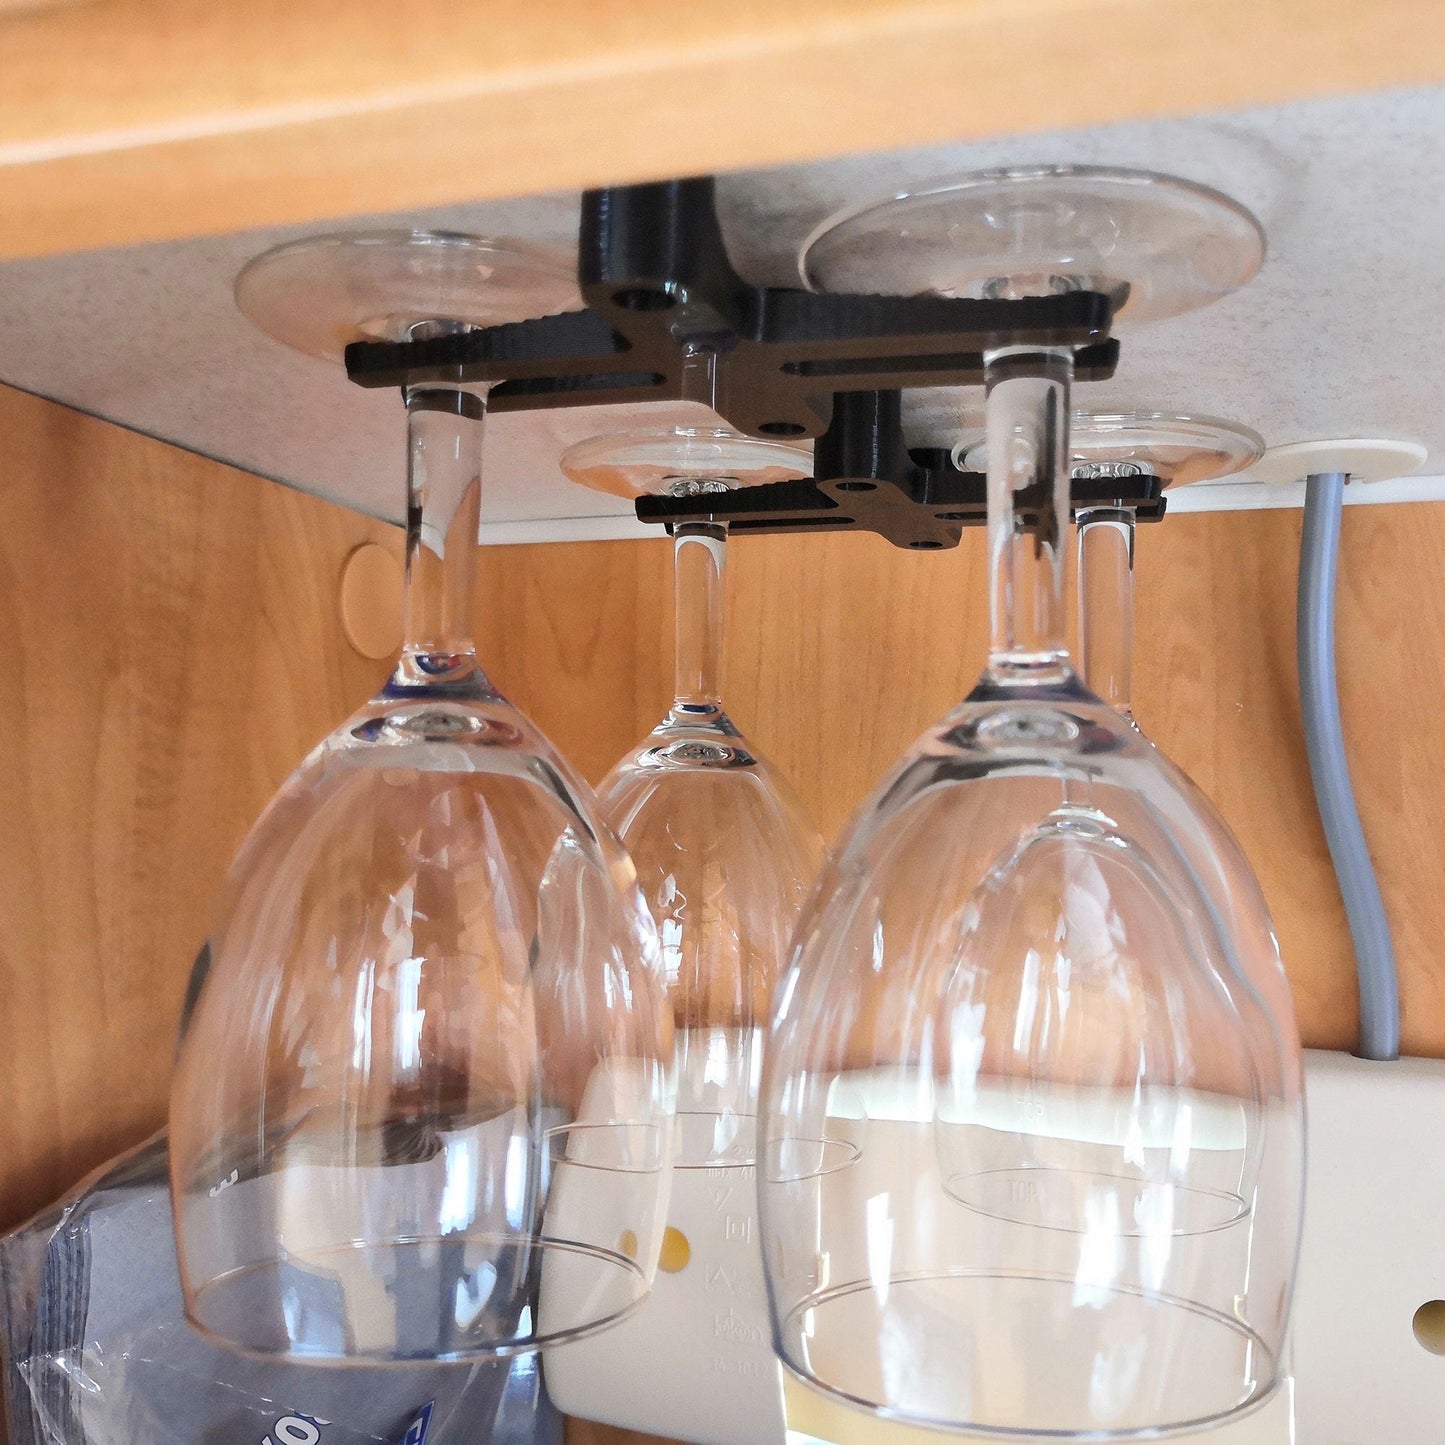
<point>170,647</point>
<point>168,650</point>
<point>842,649</point>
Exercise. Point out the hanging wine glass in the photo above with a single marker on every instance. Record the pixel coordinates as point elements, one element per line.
<point>1032,1136</point>
<point>724,853</point>
<point>422,1103</point>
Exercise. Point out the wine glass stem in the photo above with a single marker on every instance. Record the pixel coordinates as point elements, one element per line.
<point>699,558</point>
<point>1106,603</point>
<point>1028,511</point>
<point>700,374</point>
<point>444,482</point>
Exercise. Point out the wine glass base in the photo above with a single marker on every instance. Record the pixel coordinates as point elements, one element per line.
<point>320,294</point>
<point>682,462</point>
<point>1175,448</point>
<point>1158,245</point>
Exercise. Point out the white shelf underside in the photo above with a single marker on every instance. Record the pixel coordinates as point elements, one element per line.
<point>1338,336</point>
<point>1240,496</point>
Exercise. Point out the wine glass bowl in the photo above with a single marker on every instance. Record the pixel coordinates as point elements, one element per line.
<point>423,1102</point>
<point>1016,1008</point>
<point>390,1086</point>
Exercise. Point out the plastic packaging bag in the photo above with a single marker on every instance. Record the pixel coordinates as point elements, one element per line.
<point>97,1351</point>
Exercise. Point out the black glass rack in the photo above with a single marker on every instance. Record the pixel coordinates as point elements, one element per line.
<point>660,292</point>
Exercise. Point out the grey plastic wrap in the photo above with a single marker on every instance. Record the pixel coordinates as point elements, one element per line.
<point>97,1352</point>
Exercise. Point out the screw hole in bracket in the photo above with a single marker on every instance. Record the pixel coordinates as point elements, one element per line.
<point>644,298</point>
<point>652,257</point>
<point>916,498</point>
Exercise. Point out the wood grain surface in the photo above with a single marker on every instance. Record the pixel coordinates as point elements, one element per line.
<point>168,651</point>
<point>132,120</point>
<point>171,646</point>
<point>588,1432</point>
<point>842,649</point>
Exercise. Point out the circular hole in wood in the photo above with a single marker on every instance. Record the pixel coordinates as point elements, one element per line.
<point>856,486</point>
<point>1429,1326</point>
<point>369,601</point>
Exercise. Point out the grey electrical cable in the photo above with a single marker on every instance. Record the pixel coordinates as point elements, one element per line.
<point>1329,768</point>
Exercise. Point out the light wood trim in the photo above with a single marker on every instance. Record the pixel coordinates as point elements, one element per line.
<point>133,120</point>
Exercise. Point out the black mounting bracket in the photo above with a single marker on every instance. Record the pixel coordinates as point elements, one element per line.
<point>872,481</point>
<point>660,291</point>
<point>659,287</point>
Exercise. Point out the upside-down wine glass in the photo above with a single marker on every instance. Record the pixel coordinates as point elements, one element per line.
<point>724,853</point>
<point>423,1101</point>
<point>1031,1156</point>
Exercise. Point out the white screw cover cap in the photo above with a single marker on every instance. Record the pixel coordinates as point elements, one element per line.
<point>1366,459</point>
